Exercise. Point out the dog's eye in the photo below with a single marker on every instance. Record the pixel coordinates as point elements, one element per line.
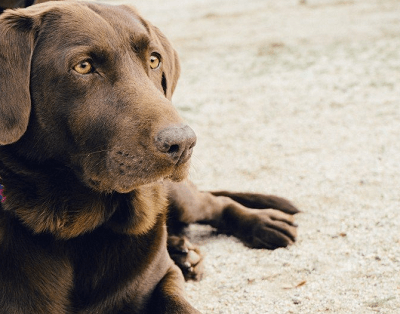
<point>84,67</point>
<point>154,61</point>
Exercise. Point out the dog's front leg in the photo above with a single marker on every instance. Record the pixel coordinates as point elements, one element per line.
<point>260,221</point>
<point>169,295</point>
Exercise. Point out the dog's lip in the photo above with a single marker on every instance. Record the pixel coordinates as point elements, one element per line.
<point>185,157</point>
<point>125,171</point>
<point>177,174</point>
<point>122,184</point>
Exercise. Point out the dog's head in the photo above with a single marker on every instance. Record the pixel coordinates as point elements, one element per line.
<point>89,85</point>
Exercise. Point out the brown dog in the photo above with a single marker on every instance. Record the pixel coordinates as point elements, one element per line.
<point>91,154</point>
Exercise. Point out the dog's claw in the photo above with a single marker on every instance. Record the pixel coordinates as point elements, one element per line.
<point>193,257</point>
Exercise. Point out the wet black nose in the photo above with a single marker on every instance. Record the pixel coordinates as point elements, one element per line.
<point>176,142</point>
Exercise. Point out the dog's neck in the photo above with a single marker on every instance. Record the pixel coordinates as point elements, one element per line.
<point>49,198</point>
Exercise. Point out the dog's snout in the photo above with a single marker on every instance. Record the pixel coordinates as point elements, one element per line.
<point>176,142</point>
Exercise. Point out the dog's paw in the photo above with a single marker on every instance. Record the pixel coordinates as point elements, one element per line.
<point>187,256</point>
<point>260,228</point>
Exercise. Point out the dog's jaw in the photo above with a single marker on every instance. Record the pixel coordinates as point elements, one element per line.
<point>123,173</point>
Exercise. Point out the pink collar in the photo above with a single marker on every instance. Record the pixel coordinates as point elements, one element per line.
<point>2,198</point>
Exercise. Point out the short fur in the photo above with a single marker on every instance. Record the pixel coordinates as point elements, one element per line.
<point>91,162</point>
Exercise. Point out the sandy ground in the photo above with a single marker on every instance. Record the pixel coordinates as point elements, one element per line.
<point>302,101</point>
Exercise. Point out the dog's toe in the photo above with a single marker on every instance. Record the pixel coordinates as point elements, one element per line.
<point>187,256</point>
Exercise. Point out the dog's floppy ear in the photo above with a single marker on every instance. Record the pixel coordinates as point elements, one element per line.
<point>17,33</point>
<point>171,66</point>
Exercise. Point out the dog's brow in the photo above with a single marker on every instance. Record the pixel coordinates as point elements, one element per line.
<point>139,42</point>
<point>99,54</point>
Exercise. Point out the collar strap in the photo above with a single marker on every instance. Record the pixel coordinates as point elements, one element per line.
<point>2,198</point>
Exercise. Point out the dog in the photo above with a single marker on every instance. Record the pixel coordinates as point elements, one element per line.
<point>93,165</point>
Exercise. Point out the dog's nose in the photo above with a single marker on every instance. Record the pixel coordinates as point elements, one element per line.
<point>176,142</point>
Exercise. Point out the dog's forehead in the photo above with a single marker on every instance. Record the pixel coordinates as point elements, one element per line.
<point>124,20</point>
<point>89,22</point>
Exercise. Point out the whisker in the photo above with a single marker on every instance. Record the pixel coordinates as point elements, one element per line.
<point>92,153</point>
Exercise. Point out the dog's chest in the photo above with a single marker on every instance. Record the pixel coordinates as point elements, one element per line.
<point>109,266</point>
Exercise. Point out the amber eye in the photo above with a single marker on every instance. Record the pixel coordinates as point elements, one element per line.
<point>84,67</point>
<point>154,61</point>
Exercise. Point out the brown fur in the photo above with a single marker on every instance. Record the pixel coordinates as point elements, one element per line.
<point>91,162</point>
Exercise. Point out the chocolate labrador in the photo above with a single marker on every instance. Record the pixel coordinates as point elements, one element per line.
<point>93,160</point>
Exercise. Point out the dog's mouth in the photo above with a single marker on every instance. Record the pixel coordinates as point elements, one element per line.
<point>131,163</point>
<point>123,172</point>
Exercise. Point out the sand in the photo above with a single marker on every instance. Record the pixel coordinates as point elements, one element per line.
<point>301,101</point>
